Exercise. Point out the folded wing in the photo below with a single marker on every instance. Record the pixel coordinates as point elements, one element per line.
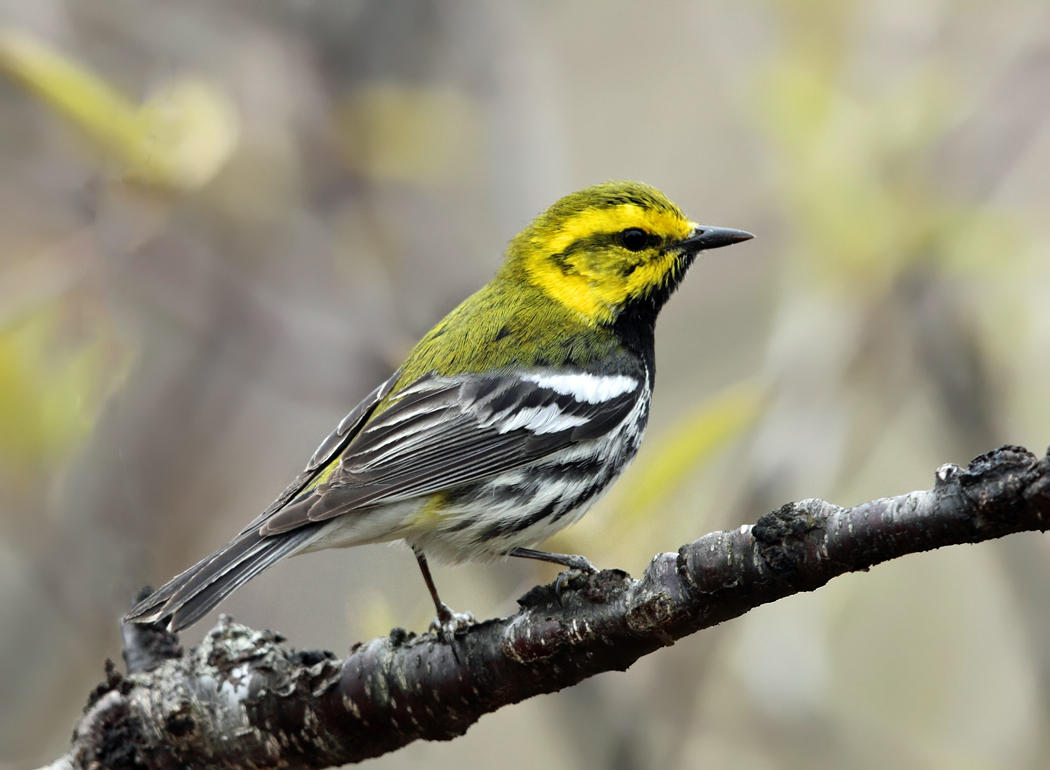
<point>442,432</point>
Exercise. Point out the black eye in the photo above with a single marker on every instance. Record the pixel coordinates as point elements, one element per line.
<point>634,238</point>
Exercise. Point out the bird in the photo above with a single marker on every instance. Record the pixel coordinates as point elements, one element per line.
<point>504,423</point>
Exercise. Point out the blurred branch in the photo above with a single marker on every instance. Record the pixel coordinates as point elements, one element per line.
<point>241,699</point>
<point>178,140</point>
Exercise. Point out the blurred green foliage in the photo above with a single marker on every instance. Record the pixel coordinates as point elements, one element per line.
<point>710,426</point>
<point>860,181</point>
<point>52,385</point>
<point>178,139</point>
<point>400,133</point>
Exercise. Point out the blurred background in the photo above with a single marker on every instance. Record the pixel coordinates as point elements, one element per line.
<point>222,223</point>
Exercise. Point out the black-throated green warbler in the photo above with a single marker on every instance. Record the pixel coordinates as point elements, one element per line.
<point>506,421</point>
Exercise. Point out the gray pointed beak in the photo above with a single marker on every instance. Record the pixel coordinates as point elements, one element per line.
<point>706,237</point>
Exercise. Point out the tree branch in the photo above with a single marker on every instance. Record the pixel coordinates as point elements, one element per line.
<point>240,699</point>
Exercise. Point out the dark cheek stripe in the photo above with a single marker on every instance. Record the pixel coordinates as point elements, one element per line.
<point>598,242</point>
<point>587,243</point>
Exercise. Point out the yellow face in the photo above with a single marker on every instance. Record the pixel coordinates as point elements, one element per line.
<point>597,250</point>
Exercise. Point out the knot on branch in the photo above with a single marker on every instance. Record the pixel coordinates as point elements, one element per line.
<point>789,538</point>
<point>109,733</point>
<point>998,486</point>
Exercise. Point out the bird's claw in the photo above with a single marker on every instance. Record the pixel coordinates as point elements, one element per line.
<point>578,568</point>
<point>448,623</point>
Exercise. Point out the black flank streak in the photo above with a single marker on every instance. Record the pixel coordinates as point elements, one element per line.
<point>519,493</point>
<point>584,497</point>
<point>460,525</point>
<point>517,525</point>
<point>580,469</point>
<point>535,518</point>
<point>504,331</point>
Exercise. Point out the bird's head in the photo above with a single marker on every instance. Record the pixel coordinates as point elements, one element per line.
<point>612,247</point>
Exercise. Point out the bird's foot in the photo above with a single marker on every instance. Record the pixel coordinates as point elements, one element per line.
<point>448,623</point>
<point>578,568</point>
<point>579,563</point>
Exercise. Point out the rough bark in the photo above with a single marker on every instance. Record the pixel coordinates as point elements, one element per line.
<point>241,699</point>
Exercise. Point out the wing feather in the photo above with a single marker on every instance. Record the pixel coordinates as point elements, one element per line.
<point>444,432</point>
<point>334,443</point>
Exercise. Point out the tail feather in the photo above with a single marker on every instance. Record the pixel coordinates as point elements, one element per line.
<point>191,594</point>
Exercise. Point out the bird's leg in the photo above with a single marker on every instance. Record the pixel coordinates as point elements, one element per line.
<point>570,560</point>
<point>447,622</point>
<point>574,562</point>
